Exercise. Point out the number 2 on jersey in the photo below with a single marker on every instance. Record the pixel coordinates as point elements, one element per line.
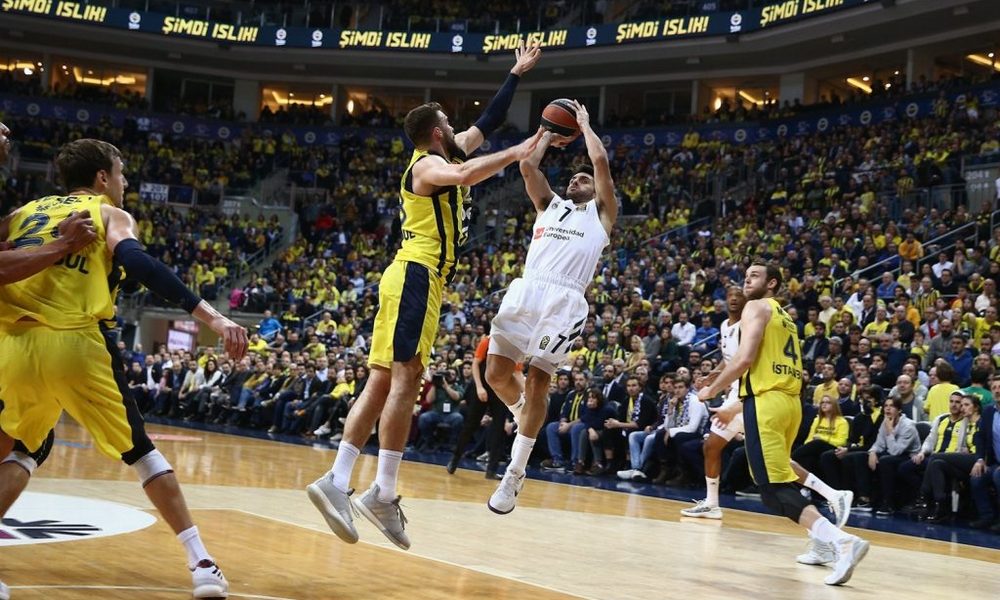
<point>31,226</point>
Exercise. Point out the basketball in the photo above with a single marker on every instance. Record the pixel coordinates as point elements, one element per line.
<point>559,117</point>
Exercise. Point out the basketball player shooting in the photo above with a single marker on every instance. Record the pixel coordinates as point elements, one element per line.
<point>545,309</point>
<point>770,364</point>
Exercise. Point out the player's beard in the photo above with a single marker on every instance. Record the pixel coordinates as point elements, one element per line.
<point>451,148</point>
<point>755,293</point>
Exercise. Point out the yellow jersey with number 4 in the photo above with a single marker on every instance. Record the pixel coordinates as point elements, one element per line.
<point>778,366</point>
<point>79,289</point>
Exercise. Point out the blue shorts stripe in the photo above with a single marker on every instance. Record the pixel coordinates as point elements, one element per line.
<point>754,448</point>
<point>411,312</point>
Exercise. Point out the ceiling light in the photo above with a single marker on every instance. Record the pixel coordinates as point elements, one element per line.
<point>979,59</point>
<point>865,78</point>
<point>746,96</point>
<point>861,85</point>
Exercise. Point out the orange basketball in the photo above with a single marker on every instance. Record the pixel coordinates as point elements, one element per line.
<point>559,117</point>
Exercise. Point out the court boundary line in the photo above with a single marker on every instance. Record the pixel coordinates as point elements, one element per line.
<point>411,553</point>
<point>137,588</point>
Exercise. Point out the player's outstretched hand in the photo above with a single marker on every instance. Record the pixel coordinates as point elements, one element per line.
<point>526,58</point>
<point>234,337</point>
<point>525,148</point>
<point>77,230</point>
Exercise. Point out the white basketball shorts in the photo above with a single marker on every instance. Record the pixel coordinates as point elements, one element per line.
<point>538,320</point>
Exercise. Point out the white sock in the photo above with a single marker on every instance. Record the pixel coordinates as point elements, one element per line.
<point>819,486</point>
<point>712,491</point>
<point>826,532</point>
<point>343,466</point>
<point>520,453</point>
<point>519,404</point>
<point>193,546</point>
<point>388,472</point>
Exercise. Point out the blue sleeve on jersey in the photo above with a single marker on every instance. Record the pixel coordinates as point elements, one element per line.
<point>154,275</point>
<point>496,111</point>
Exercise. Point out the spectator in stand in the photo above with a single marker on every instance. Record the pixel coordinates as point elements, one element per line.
<point>947,434</point>
<point>897,441</point>
<point>980,379</point>
<point>846,404</point>
<point>913,404</point>
<point>594,415</point>
<point>642,442</point>
<point>683,332</point>
<point>985,474</point>
<point>689,416</point>
<point>444,396</point>
<point>706,337</point>
<point>942,376</point>
<point>269,326</point>
<point>829,430</point>
<point>634,414</point>
<point>960,358</point>
<point>568,427</point>
<point>137,377</point>
<point>828,385</point>
<point>886,290</point>
<point>947,469</point>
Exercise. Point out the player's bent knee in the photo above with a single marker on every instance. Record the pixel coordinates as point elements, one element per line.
<point>150,466</point>
<point>784,498</point>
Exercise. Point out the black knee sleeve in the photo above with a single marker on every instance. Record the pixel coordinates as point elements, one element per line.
<point>42,453</point>
<point>142,446</point>
<point>784,499</point>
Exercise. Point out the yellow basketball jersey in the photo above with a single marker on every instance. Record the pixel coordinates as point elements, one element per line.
<point>77,291</point>
<point>778,366</point>
<point>434,227</point>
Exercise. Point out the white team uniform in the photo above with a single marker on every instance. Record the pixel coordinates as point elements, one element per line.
<point>545,309</point>
<point>730,335</point>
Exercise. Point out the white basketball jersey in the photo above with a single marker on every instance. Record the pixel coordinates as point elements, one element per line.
<point>568,240</point>
<point>730,335</point>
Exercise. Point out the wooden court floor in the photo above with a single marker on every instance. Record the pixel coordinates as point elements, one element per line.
<point>561,542</point>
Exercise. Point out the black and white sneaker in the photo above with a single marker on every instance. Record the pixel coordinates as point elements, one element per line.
<point>208,580</point>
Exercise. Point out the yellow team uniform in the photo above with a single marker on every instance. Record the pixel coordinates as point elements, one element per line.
<point>54,355</point>
<point>434,227</point>
<point>772,410</point>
